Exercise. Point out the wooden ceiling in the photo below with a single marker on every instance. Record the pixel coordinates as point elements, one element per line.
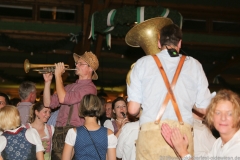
<point>43,32</point>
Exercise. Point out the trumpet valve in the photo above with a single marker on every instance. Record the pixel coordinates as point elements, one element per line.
<point>45,70</point>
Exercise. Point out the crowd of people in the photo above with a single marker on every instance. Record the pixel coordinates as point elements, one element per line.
<point>169,122</point>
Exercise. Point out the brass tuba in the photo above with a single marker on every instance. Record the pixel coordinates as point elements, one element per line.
<point>146,36</point>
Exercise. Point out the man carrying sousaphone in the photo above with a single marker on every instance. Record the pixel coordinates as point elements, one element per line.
<point>69,97</point>
<point>165,84</point>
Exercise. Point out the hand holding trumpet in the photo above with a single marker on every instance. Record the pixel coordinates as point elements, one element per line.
<point>47,77</point>
<point>59,69</point>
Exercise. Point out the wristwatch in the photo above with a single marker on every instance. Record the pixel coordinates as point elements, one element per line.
<point>187,157</point>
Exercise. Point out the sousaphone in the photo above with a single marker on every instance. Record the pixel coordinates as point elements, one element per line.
<point>146,36</point>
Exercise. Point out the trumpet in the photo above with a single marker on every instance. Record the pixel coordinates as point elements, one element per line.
<point>46,68</point>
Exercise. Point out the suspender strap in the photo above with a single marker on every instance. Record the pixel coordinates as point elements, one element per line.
<point>69,115</point>
<point>50,135</point>
<point>170,94</point>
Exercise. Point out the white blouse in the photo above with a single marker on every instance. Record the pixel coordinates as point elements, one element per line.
<point>126,147</point>
<point>229,150</point>
<point>108,124</point>
<point>203,138</point>
<point>46,130</point>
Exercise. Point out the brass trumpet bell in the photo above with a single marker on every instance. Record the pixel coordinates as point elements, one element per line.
<point>146,34</point>
<point>45,68</point>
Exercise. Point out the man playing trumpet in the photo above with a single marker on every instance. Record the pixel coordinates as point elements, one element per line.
<point>69,97</point>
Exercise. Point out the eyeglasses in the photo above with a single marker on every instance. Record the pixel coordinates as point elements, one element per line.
<point>2,103</point>
<point>80,63</point>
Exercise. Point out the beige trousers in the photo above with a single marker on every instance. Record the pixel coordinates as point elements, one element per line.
<point>150,144</point>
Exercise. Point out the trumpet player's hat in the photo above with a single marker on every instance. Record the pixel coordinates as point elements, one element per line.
<point>91,60</point>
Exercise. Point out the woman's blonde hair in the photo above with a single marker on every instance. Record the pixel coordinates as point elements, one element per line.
<point>9,118</point>
<point>224,95</point>
<point>90,106</point>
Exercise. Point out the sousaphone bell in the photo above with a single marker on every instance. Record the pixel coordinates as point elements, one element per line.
<point>146,36</point>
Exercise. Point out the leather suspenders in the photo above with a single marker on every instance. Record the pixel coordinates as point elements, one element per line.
<point>169,94</point>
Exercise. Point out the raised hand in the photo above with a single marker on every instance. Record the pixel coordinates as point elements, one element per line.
<point>175,139</point>
<point>124,121</point>
<point>59,68</point>
<point>166,132</point>
<point>180,142</point>
<point>48,77</point>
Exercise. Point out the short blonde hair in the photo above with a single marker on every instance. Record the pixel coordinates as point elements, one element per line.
<point>9,118</point>
<point>90,106</point>
<point>224,95</point>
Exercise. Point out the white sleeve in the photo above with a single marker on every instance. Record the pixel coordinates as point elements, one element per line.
<point>203,141</point>
<point>108,124</point>
<point>3,143</point>
<point>112,141</point>
<point>203,93</point>
<point>208,138</point>
<point>53,129</point>
<point>34,138</point>
<point>120,143</point>
<point>134,90</point>
<point>71,137</point>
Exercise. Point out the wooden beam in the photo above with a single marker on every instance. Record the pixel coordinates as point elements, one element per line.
<point>33,33</point>
<point>43,2</point>
<point>55,52</point>
<point>44,38</point>
<point>99,46</point>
